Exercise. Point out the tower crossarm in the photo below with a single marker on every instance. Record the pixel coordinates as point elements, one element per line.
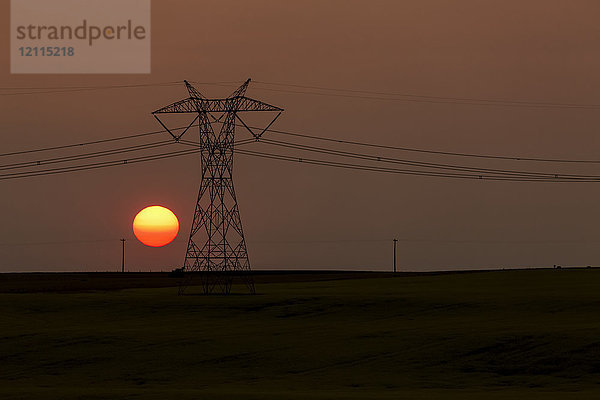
<point>248,104</point>
<point>230,104</point>
<point>182,106</point>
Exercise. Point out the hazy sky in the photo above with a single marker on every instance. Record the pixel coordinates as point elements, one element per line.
<point>301,216</point>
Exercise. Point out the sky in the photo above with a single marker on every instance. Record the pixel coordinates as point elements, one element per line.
<point>298,216</point>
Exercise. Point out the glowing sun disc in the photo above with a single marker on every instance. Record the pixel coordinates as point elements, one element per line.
<point>155,226</point>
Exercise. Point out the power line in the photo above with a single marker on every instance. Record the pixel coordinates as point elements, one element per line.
<point>93,142</point>
<point>424,168</point>
<point>326,139</point>
<point>77,157</point>
<point>474,172</point>
<point>321,91</point>
<point>98,165</point>
<point>94,87</point>
<point>89,143</point>
<point>67,146</point>
<point>281,157</point>
<point>70,89</point>
<point>363,167</point>
<point>383,159</point>
<point>57,242</point>
<point>334,241</point>
<point>110,163</point>
<point>453,167</point>
<point>425,151</point>
<point>411,97</point>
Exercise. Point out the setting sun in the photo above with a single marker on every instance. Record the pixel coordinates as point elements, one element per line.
<point>155,226</point>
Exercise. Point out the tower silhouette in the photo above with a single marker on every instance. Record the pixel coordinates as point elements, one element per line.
<point>216,245</point>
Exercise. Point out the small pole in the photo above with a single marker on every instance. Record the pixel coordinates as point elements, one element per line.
<point>123,258</point>
<point>395,243</point>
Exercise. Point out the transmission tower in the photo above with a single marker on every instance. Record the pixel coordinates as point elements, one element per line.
<point>216,246</point>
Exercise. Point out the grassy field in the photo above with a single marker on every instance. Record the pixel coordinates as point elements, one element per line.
<point>493,335</point>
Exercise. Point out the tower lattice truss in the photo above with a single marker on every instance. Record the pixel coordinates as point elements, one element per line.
<point>216,245</point>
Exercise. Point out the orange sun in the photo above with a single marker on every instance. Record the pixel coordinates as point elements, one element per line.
<point>155,226</point>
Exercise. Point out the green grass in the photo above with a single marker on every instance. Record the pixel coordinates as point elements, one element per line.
<point>496,335</point>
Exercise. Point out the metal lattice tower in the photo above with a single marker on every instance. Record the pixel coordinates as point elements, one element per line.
<point>216,245</point>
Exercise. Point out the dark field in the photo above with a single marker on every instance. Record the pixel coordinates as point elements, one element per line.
<point>497,335</point>
<point>78,282</point>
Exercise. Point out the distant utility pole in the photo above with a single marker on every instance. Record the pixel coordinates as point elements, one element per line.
<point>123,257</point>
<point>395,243</point>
